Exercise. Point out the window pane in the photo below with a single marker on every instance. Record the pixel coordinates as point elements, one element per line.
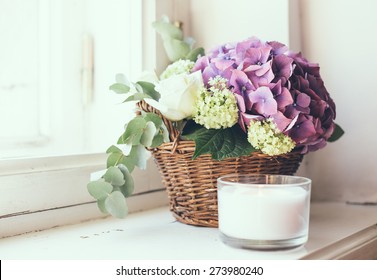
<point>19,69</point>
<point>42,103</point>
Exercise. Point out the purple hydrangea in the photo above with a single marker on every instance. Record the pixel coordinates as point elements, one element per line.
<point>271,82</point>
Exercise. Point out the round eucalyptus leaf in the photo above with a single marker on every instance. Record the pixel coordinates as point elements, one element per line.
<point>120,88</point>
<point>99,189</point>
<point>113,149</point>
<point>166,29</point>
<point>138,88</point>
<point>152,117</point>
<point>116,205</point>
<point>138,96</point>
<point>148,89</point>
<point>139,156</point>
<point>128,163</point>
<point>114,176</point>
<point>134,131</point>
<point>148,135</point>
<point>114,158</point>
<point>176,49</point>
<point>128,188</point>
<point>194,54</point>
<point>157,141</point>
<point>122,79</point>
<point>101,206</point>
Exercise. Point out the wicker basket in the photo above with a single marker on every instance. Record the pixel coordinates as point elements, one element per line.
<point>191,184</point>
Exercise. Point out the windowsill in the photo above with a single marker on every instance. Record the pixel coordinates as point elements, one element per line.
<point>41,193</point>
<point>154,234</point>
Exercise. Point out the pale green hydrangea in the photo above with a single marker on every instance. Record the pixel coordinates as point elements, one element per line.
<point>216,107</point>
<point>181,66</point>
<point>265,136</point>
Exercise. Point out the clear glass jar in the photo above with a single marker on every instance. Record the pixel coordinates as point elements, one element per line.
<point>263,211</point>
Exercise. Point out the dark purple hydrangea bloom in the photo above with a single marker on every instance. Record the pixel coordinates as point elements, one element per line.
<point>270,82</point>
<point>320,108</point>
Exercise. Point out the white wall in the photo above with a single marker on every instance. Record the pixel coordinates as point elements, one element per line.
<point>216,22</point>
<point>340,36</point>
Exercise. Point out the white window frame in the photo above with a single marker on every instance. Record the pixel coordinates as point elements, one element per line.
<point>67,176</point>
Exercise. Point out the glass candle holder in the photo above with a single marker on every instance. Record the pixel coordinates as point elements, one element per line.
<point>263,211</point>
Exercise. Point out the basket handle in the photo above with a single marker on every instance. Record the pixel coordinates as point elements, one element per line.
<point>173,132</point>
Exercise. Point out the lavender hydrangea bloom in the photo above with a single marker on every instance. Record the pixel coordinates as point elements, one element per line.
<point>271,82</point>
<point>263,101</point>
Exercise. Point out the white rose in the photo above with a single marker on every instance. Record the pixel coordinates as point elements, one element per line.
<point>178,95</point>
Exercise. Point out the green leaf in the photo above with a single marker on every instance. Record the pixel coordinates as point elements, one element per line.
<point>128,188</point>
<point>176,49</point>
<point>121,140</point>
<point>136,97</point>
<point>220,143</point>
<point>157,141</point>
<point>99,189</point>
<point>338,132</point>
<point>122,79</point>
<point>101,206</point>
<point>130,164</point>
<point>138,156</point>
<point>113,159</point>
<point>117,157</point>
<point>134,131</point>
<point>152,117</point>
<point>116,205</point>
<point>194,54</point>
<point>114,176</point>
<point>113,149</point>
<point>166,29</point>
<point>148,89</point>
<point>148,135</point>
<point>125,148</point>
<point>120,88</point>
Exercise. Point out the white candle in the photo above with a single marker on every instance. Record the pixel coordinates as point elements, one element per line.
<point>263,213</point>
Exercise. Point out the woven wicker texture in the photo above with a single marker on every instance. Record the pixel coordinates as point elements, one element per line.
<point>191,184</point>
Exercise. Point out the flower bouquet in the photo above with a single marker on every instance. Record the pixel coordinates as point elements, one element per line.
<point>245,107</point>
